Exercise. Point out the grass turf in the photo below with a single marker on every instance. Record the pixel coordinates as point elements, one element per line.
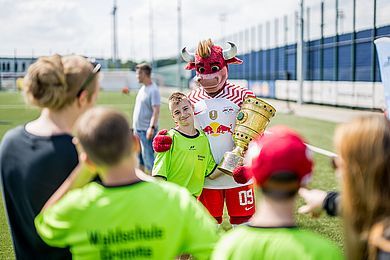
<point>319,133</point>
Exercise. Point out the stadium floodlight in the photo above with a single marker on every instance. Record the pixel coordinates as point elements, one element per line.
<point>300,50</point>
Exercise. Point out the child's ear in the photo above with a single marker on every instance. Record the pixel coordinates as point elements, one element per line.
<point>83,158</point>
<point>75,141</point>
<point>83,98</point>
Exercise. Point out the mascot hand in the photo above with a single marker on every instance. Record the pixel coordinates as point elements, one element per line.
<point>162,142</point>
<point>239,175</point>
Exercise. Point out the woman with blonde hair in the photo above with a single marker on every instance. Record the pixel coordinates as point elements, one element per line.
<point>363,165</point>
<point>363,146</point>
<point>37,157</point>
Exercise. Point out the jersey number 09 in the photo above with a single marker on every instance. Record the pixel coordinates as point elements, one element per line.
<point>245,197</point>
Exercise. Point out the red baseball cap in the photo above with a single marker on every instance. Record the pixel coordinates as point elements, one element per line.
<point>279,150</point>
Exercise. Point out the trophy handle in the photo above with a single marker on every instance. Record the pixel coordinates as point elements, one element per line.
<point>232,160</point>
<point>251,121</point>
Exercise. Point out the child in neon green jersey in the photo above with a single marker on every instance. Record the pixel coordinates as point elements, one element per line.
<point>280,163</point>
<point>127,214</point>
<point>189,160</point>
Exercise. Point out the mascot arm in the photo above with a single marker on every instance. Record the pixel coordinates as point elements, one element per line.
<point>162,142</point>
<point>239,175</point>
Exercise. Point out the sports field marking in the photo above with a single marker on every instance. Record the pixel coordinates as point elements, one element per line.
<point>5,107</point>
<point>321,151</point>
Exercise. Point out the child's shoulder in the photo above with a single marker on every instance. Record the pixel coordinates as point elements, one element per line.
<point>200,131</point>
<point>172,132</point>
<point>202,134</point>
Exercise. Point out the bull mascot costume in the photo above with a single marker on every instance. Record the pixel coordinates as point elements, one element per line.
<point>216,104</point>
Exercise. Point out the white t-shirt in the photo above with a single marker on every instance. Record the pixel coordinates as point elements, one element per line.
<point>216,116</point>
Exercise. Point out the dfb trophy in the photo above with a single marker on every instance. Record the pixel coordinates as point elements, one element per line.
<point>251,122</point>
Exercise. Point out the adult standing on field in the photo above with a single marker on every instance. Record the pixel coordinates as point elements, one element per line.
<point>37,157</point>
<point>146,114</point>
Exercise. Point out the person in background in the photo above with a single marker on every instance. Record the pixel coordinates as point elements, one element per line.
<point>128,215</point>
<point>280,163</point>
<point>146,114</point>
<point>363,166</point>
<point>189,160</point>
<point>37,157</point>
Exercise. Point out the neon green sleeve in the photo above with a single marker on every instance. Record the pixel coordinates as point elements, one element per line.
<point>201,231</point>
<point>55,224</point>
<point>211,164</point>
<point>162,162</point>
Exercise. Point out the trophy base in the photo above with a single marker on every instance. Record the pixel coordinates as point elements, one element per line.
<point>229,162</point>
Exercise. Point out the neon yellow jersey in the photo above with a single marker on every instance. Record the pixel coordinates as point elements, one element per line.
<point>187,162</point>
<point>293,243</point>
<point>152,220</point>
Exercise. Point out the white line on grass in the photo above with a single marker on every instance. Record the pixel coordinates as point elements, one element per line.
<point>321,151</point>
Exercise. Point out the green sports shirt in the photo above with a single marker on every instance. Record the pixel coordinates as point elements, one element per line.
<point>293,243</point>
<point>187,162</point>
<point>151,220</point>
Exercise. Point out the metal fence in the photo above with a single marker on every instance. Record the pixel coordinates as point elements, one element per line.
<point>337,44</point>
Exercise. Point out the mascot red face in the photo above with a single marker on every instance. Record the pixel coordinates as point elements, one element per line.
<point>210,62</point>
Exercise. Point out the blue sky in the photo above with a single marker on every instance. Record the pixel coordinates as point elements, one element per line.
<point>41,27</point>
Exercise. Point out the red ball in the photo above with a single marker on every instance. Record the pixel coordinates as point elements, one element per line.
<point>125,90</point>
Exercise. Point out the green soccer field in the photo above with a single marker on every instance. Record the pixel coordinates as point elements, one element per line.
<point>13,112</point>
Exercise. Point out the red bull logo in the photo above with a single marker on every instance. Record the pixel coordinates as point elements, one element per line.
<point>223,129</point>
<point>215,129</point>
<point>208,130</point>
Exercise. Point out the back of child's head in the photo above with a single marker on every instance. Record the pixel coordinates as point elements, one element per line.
<point>279,162</point>
<point>104,135</point>
<point>176,98</point>
<point>53,82</point>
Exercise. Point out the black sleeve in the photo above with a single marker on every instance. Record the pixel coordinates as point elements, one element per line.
<point>165,178</point>
<point>215,167</point>
<point>331,203</point>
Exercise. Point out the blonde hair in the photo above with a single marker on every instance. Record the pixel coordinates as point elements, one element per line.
<point>204,48</point>
<point>53,82</point>
<point>105,135</point>
<point>364,148</point>
<point>176,98</point>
